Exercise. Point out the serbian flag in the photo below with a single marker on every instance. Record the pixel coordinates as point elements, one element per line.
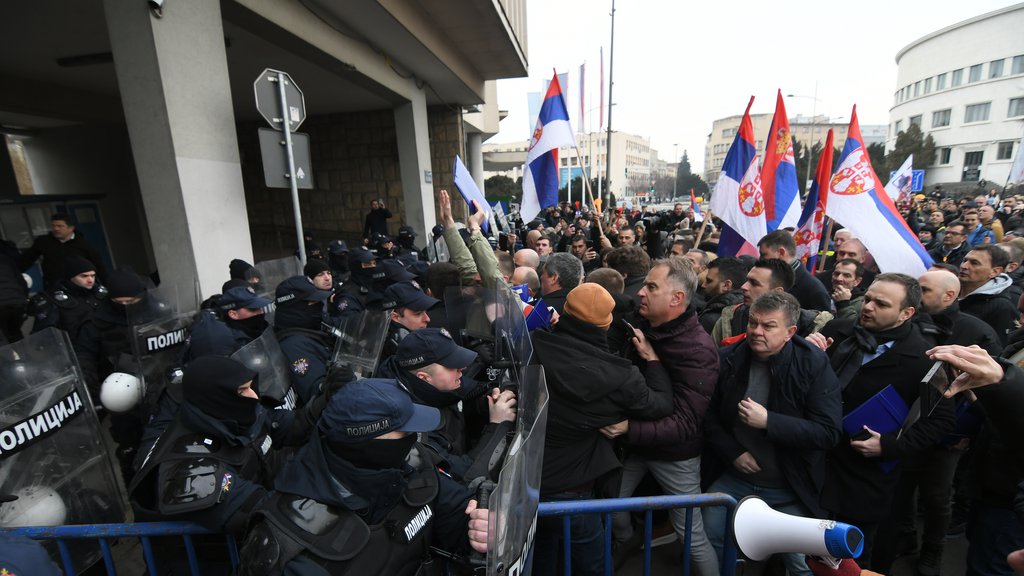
<point>778,175</point>
<point>812,220</point>
<point>540,173</point>
<point>698,214</point>
<point>858,200</point>
<point>738,199</point>
<point>901,181</point>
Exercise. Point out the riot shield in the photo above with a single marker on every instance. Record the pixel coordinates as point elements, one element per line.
<point>489,320</point>
<point>264,356</point>
<point>513,348</point>
<point>273,272</point>
<point>52,452</point>
<point>437,250</point>
<point>513,518</point>
<point>359,340</point>
<point>158,341</point>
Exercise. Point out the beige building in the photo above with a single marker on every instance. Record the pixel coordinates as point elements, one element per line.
<point>629,174</point>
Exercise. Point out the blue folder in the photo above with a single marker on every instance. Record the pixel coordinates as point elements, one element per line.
<point>884,413</point>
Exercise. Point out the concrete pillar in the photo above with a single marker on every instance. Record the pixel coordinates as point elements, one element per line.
<point>173,76</point>
<point>475,153</point>
<point>414,164</point>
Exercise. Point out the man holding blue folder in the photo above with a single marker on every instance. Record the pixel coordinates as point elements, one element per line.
<point>880,361</point>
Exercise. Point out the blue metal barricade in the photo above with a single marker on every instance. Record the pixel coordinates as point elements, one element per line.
<point>144,531</point>
<point>567,509</point>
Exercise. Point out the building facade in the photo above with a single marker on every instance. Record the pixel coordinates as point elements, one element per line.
<point>964,86</point>
<point>139,120</point>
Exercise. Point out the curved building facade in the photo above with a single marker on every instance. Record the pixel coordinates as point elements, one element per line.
<point>964,85</point>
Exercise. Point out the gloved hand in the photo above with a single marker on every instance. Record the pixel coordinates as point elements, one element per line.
<point>338,376</point>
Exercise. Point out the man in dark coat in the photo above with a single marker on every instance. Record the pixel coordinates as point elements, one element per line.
<point>376,219</point>
<point>589,388</point>
<point>954,245</point>
<point>808,291</point>
<point>558,276</point>
<point>883,348</point>
<point>722,289</point>
<point>984,288</point>
<point>61,242</point>
<point>775,413</point>
<point>670,447</point>
<point>71,302</point>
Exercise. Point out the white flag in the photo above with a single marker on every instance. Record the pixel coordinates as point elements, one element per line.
<point>898,187</point>
<point>1017,170</point>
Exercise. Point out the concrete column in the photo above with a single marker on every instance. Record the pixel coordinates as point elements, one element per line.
<point>414,163</point>
<point>173,76</point>
<point>475,153</point>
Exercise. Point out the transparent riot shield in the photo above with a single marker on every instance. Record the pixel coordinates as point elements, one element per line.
<point>513,348</point>
<point>264,356</point>
<point>513,504</point>
<point>52,453</point>
<point>359,340</point>
<point>158,341</point>
<point>273,272</point>
<point>437,250</point>
<point>489,320</point>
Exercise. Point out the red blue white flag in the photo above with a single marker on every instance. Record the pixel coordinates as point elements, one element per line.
<point>738,198</point>
<point>778,175</point>
<point>698,214</point>
<point>857,200</point>
<point>812,220</point>
<point>540,173</point>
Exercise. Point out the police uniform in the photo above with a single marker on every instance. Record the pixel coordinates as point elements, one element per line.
<point>329,515</point>
<point>66,307</point>
<point>298,320</point>
<point>407,294</point>
<point>213,464</point>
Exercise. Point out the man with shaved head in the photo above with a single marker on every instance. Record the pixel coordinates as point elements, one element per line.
<point>930,473</point>
<point>528,276</point>
<point>527,257</point>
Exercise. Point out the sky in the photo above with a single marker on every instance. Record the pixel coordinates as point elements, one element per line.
<point>680,65</point>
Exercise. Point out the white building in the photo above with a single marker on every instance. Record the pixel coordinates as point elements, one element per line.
<point>964,85</point>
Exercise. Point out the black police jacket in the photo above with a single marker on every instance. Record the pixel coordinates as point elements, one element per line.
<point>369,522</point>
<point>67,307</point>
<point>201,471</point>
<point>309,356</point>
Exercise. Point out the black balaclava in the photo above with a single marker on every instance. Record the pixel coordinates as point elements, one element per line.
<point>338,262</point>
<point>373,454</point>
<point>298,314</point>
<point>211,384</point>
<point>252,326</point>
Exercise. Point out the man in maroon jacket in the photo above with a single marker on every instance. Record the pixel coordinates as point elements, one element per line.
<point>670,447</point>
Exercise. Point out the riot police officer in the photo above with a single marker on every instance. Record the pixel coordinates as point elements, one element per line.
<point>363,497</point>
<point>72,301</point>
<point>212,465</point>
<point>409,312</point>
<point>298,321</point>
<point>237,320</point>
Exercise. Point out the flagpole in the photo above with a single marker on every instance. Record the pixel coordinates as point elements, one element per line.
<point>611,83</point>
<point>826,238</point>
<point>703,226</point>
<point>590,193</point>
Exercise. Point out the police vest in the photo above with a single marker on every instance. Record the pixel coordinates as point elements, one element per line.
<point>188,471</point>
<point>301,530</point>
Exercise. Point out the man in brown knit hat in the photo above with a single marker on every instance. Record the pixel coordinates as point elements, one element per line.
<point>589,388</point>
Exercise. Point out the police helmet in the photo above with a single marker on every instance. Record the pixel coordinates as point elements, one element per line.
<point>35,506</point>
<point>120,392</point>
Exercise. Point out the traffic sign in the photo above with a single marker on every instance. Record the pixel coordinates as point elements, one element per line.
<point>917,182</point>
<point>268,99</point>
<point>275,159</point>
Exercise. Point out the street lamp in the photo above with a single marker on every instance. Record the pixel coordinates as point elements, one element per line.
<point>814,114</point>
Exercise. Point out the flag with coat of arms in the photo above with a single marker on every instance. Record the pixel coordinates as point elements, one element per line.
<point>738,198</point>
<point>812,219</point>
<point>540,173</point>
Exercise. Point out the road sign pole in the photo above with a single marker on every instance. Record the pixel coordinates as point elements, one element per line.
<point>286,126</point>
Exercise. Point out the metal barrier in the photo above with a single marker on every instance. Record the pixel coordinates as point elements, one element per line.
<point>647,505</point>
<point>144,531</point>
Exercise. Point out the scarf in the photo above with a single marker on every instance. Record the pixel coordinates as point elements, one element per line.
<point>849,354</point>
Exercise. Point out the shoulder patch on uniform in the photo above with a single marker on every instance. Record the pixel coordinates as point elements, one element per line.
<point>225,485</point>
<point>300,366</point>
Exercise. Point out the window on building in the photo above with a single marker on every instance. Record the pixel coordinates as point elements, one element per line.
<point>973,158</point>
<point>977,112</point>
<point>917,89</point>
<point>944,155</point>
<point>974,74</point>
<point>1004,151</point>
<point>940,82</point>
<point>898,126</point>
<point>1016,108</point>
<point>940,118</point>
<point>565,161</point>
<point>1018,65</point>
<point>958,77</point>
<point>915,120</point>
<point>927,85</point>
<point>995,69</point>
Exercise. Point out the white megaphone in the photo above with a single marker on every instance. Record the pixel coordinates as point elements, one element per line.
<point>761,531</point>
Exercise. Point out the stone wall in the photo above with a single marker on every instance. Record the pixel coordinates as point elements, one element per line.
<point>354,159</point>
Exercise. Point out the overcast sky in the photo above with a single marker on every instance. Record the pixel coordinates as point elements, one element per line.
<point>680,65</point>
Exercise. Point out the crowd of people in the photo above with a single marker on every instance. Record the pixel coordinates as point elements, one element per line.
<point>701,373</point>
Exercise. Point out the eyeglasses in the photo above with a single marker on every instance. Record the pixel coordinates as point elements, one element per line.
<point>952,233</point>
